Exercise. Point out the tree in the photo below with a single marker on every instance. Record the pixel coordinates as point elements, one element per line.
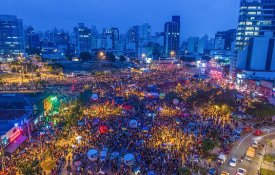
<point>84,97</point>
<point>76,113</point>
<point>85,56</point>
<point>13,70</point>
<point>29,167</point>
<point>261,111</point>
<point>184,171</point>
<point>111,56</point>
<point>170,96</point>
<point>122,58</point>
<point>134,101</point>
<point>207,145</point>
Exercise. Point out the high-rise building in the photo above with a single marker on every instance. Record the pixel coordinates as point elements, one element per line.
<point>256,17</point>
<point>145,33</point>
<point>203,44</point>
<point>258,56</point>
<point>32,41</point>
<point>112,38</point>
<point>225,39</point>
<point>83,38</point>
<point>11,36</point>
<point>192,44</point>
<point>172,36</point>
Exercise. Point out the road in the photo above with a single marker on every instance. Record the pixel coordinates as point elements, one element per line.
<point>240,149</point>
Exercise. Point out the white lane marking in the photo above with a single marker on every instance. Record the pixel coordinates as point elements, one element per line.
<point>243,140</point>
<point>269,130</point>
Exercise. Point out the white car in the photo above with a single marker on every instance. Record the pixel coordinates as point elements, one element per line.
<point>255,144</point>
<point>222,158</point>
<point>241,171</point>
<point>233,162</point>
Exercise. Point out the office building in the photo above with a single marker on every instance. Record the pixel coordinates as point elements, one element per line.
<point>224,39</point>
<point>256,17</point>
<point>32,41</point>
<point>172,36</point>
<point>11,36</point>
<point>112,38</point>
<point>203,44</point>
<point>192,44</point>
<point>258,57</point>
<point>83,38</point>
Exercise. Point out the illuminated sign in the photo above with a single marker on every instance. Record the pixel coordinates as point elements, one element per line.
<point>15,135</point>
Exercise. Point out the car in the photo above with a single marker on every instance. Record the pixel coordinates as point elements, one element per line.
<point>234,138</point>
<point>238,131</point>
<point>222,158</point>
<point>225,173</point>
<point>212,171</point>
<point>255,144</point>
<point>247,129</point>
<point>257,126</point>
<point>241,171</point>
<point>258,132</point>
<point>233,162</point>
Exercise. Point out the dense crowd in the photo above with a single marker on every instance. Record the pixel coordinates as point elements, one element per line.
<point>160,143</point>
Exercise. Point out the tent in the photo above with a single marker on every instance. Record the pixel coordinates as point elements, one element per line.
<point>129,159</point>
<point>133,123</point>
<point>103,129</point>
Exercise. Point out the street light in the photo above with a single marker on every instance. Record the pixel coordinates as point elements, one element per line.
<point>172,54</point>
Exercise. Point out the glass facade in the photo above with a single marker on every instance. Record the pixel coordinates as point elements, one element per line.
<point>11,36</point>
<point>172,36</point>
<point>256,17</point>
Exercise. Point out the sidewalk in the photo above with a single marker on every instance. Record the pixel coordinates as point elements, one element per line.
<point>268,166</point>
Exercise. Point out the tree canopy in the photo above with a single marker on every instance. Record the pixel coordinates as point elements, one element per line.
<point>111,56</point>
<point>261,111</point>
<point>85,56</point>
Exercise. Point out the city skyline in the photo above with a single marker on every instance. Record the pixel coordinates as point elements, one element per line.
<point>198,18</point>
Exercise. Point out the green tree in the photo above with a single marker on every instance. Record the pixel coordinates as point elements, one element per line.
<point>85,56</point>
<point>207,145</point>
<point>75,114</point>
<point>84,97</point>
<point>262,111</point>
<point>134,101</point>
<point>13,70</point>
<point>170,96</point>
<point>111,56</point>
<point>184,171</point>
<point>29,167</point>
<point>122,58</point>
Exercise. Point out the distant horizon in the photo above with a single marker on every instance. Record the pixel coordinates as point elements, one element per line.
<point>197,18</point>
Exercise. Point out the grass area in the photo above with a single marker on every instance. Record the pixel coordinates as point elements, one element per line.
<point>269,158</point>
<point>267,172</point>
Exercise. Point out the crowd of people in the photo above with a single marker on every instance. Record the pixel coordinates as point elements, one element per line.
<point>160,142</point>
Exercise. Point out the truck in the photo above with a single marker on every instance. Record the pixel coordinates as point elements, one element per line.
<point>250,154</point>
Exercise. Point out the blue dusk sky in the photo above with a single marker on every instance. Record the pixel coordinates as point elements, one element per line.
<point>198,17</point>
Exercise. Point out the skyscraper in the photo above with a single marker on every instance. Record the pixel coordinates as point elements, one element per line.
<point>83,38</point>
<point>256,17</point>
<point>32,41</point>
<point>192,44</point>
<point>226,38</point>
<point>11,36</point>
<point>112,38</point>
<point>172,36</point>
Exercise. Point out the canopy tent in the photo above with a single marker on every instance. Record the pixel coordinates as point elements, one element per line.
<point>92,154</point>
<point>103,129</point>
